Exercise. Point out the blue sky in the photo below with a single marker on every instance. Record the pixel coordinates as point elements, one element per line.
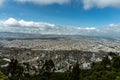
<point>65,13</point>
<point>69,14</point>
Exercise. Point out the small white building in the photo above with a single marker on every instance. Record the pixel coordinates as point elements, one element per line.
<point>98,60</point>
<point>86,66</point>
<point>110,57</point>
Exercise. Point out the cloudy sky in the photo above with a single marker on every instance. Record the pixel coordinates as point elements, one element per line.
<point>84,17</point>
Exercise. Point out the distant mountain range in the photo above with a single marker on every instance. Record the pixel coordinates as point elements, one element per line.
<point>11,36</point>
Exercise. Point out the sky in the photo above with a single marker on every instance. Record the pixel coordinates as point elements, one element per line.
<point>84,17</point>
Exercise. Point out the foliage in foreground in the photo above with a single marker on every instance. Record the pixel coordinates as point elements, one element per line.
<point>105,70</point>
<point>3,77</point>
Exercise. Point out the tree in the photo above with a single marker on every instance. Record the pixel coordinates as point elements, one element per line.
<point>47,69</point>
<point>117,78</point>
<point>75,74</point>
<point>106,62</point>
<point>15,70</point>
<point>3,77</point>
<point>48,66</point>
<point>112,54</point>
<point>116,62</point>
<point>51,65</point>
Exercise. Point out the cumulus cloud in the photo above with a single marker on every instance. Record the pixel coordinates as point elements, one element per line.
<point>44,2</point>
<point>22,26</point>
<point>112,30</point>
<point>100,3</point>
<point>13,25</point>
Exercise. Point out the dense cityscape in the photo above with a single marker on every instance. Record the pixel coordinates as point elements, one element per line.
<point>59,39</point>
<point>63,52</point>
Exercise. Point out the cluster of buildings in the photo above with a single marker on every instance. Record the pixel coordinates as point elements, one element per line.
<point>83,44</point>
<point>64,60</point>
<point>64,52</point>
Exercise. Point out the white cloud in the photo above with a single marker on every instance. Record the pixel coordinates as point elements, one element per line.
<point>11,21</point>
<point>22,26</point>
<point>87,28</point>
<point>100,3</point>
<point>44,2</point>
<point>112,28</point>
<point>13,25</point>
